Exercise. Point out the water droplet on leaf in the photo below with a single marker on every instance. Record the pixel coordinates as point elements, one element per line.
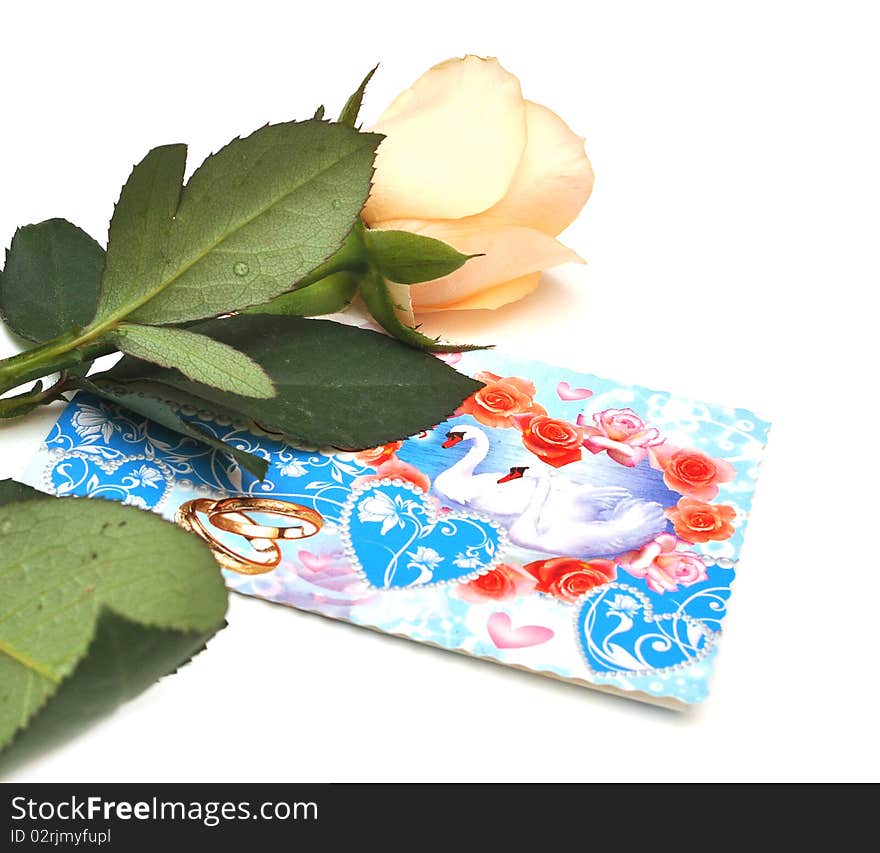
<point>241,268</point>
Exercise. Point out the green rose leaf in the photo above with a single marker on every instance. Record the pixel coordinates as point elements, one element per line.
<point>200,358</point>
<point>352,108</point>
<point>12,490</point>
<point>336,384</point>
<point>254,218</point>
<point>97,602</point>
<point>140,232</point>
<point>51,280</point>
<point>158,403</point>
<point>380,303</point>
<point>407,258</point>
<point>327,296</point>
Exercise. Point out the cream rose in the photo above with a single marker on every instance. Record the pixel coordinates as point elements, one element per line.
<point>469,161</point>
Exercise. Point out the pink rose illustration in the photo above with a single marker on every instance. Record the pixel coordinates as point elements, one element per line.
<point>620,432</point>
<point>662,566</point>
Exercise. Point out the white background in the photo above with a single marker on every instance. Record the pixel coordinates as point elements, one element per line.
<point>732,240</point>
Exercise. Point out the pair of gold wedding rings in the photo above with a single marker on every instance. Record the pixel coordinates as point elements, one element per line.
<point>231,515</point>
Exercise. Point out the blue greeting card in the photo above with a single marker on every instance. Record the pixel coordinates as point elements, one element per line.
<point>558,522</point>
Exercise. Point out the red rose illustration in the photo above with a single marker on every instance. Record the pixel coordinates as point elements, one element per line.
<point>500,584</point>
<point>690,472</point>
<point>501,399</point>
<point>568,578</point>
<point>375,456</point>
<point>553,441</point>
<point>697,521</point>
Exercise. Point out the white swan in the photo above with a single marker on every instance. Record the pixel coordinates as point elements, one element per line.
<point>480,492</point>
<point>504,497</point>
<point>565,497</point>
<point>621,525</point>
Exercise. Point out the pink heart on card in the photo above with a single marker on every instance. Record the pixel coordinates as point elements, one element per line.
<point>505,636</point>
<point>566,392</point>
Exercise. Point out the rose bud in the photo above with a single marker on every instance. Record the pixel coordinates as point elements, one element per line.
<point>469,161</point>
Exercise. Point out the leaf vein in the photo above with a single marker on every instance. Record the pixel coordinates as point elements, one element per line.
<point>28,662</point>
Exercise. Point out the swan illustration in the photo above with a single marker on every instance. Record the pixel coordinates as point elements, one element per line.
<point>505,496</point>
<point>611,528</point>
<point>459,486</point>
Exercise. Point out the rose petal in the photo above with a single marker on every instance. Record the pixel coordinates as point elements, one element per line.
<point>667,542</point>
<point>661,454</point>
<point>524,386</point>
<point>554,178</point>
<point>626,455</point>
<point>493,297</point>
<point>453,143</point>
<point>512,257</point>
<point>596,439</point>
<point>659,583</point>
<point>645,557</point>
<point>521,422</point>
<point>644,437</point>
<point>705,493</point>
<point>561,459</point>
<point>726,471</point>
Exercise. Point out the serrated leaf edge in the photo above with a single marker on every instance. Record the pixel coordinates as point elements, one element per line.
<point>154,625</point>
<point>57,683</point>
<point>119,315</point>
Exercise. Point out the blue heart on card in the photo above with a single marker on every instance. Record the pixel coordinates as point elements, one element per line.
<point>620,634</point>
<point>133,480</point>
<point>396,540</point>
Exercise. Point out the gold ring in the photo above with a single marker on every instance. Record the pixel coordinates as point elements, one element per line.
<point>268,551</point>
<point>227,515</point>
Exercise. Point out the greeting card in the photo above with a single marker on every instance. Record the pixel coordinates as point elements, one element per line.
<point>559,523</point>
